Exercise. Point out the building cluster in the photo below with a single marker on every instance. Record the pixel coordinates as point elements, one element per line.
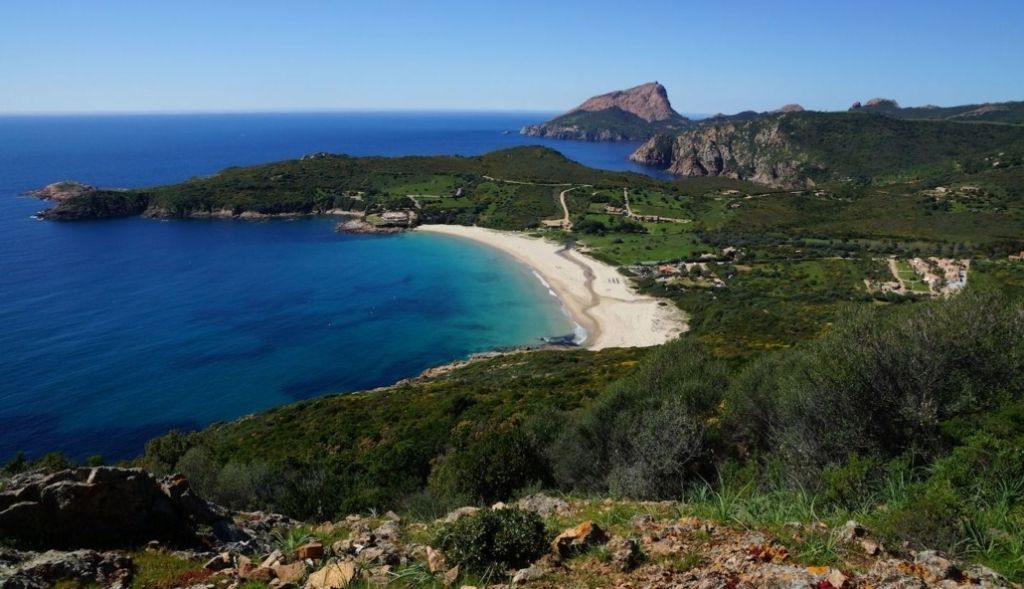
<point>397,218</point>
<point>942,275</point>
<point>695,273</point>
<point>614,210</point>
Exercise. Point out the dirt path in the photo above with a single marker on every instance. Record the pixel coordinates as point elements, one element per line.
<point>895,269</point>
<point>566,223</point>
<point>415,198</point>
<point>625,197</point>
<point>493,179</point>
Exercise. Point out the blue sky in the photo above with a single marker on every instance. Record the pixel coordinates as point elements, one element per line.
<point>245,55</point>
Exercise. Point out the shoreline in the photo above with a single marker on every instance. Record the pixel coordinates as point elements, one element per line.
<point>596,296</point>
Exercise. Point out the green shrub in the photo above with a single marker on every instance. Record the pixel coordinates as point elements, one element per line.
<point>932,517</point>
<point>882,386</point>
<point>53,461</point>
<point>650,434</point>
<point>17,464</point>
<point>489,466</point>
<point>243,485</point>
<point>849,485</point>
<point>492,541</point>
<point>201,469</point>
<point>163,453</point>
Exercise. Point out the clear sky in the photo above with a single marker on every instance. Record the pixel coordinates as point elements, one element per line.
<point>245,55</point>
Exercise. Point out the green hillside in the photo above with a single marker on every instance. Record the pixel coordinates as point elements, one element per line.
<point>993,112</point>
<point>798,149</point>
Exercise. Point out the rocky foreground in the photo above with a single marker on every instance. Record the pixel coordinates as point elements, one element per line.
<point>125,528</point>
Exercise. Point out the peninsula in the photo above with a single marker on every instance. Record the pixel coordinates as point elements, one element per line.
<point>623,115</point>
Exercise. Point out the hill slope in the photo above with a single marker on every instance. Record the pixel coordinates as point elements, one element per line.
<point>462,190</point>
<point>802,148</point>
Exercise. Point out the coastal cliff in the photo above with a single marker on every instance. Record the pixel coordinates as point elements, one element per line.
<point>623,115</point>
<point>759,151</point>
<point>792,148</point>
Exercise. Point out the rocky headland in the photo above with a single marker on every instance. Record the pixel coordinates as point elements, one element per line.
<point>59,191</point>
<point>622,115</point>
<point>759,151</point>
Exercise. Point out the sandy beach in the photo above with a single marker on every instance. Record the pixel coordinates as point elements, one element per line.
<point>597,297</point>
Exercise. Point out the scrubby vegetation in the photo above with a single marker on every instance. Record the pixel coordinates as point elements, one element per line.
<point>490,542</point>
<point>909,418</point>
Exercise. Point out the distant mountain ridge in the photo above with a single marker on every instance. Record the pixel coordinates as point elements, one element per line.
<point>988,112</point>
<point>642,112</point>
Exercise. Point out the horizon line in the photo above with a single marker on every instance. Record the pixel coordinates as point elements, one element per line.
<point>114,112</point>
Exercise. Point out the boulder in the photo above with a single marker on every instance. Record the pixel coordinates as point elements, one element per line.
<point>218,563</point>
<point>460,513</point>
<point>851,531</point>
<point>388,531</point>
<point>870,547</point>
<point>290,573</point>
<point>272,559</point>
<point>244,567</point>
<point>626,554</point>
<point>577,539</point>
<point>85,566</point>
<point>105,507</point>
<point>530,573</point>
<point>311,550</point>
<point>935,567</point>
<point>435,560</point>
<point>261,574</point>
<point>543,505</point>
<point>336,575</point>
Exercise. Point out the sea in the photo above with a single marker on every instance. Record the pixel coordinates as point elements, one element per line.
<point>116,331</point>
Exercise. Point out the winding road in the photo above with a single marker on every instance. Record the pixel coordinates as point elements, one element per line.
<point>566,223</point>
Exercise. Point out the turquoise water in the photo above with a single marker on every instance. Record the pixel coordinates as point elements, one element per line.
<point>114,331</point>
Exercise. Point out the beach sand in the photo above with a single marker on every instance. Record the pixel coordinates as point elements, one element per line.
<point>597,297</point>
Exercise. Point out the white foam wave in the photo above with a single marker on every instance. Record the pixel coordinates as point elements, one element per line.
<point>579,334</point>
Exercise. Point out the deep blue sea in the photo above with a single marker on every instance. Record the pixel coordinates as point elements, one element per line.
<point>112,332</point>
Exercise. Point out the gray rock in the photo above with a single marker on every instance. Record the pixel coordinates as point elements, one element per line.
<point>388,531</point>
<point>852,530</point>
<point>626,554</point>
<point>460,513</point>
<point>936,566</point>
<point>530,573</point>
<point>80,565</point>
<point>543,505</point>
<point>20,581</point>
<point>106,507</point>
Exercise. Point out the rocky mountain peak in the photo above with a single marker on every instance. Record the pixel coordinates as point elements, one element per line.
<point>792,107</point>
<point>648,101</point>
<point>882,102</point>
<point>876,103</point>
